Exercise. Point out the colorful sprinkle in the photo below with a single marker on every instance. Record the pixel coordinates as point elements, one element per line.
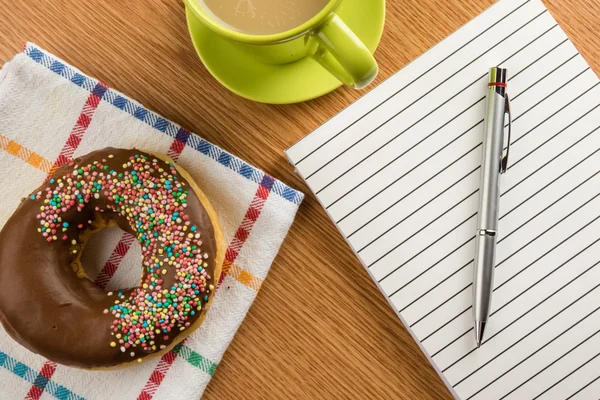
<point>150,195</point>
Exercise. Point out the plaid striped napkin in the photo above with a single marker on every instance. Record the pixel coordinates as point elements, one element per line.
<point>50,113</point>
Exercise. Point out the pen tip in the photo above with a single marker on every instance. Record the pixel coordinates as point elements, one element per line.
<point>479,328</point>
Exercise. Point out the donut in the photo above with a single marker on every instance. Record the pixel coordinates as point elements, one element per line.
<point>50,306</point>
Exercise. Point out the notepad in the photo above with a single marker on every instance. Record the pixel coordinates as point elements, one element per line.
<point>398,172</point>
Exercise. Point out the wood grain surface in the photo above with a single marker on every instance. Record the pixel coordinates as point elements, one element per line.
<point>319,329</point>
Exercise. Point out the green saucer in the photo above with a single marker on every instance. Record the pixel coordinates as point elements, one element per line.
<point>282,84</point>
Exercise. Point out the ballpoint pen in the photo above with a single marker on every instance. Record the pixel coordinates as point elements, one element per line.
<point>493,164</point>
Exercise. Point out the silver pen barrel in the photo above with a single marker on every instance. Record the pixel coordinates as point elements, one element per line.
<point>489,200</point>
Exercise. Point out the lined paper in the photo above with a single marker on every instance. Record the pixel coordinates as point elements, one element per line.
<point>398,172</point>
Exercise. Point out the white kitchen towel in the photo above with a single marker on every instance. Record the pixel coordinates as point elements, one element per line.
<point>51,113</point>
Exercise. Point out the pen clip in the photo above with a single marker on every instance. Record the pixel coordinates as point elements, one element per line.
<point>504,160</point>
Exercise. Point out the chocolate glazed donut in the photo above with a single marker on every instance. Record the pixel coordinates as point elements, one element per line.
<point>48,305</point>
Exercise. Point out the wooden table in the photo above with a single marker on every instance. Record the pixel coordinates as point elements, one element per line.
<point>319,328</point>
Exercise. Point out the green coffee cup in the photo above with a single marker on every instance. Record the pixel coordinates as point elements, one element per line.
<point>325,37</point>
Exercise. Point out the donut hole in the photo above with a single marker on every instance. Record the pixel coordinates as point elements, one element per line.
<point>112,259</point>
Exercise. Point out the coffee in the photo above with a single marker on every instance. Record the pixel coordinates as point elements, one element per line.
<point>262,17</point>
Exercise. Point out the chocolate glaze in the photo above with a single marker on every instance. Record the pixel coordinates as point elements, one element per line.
<point>51,311</point>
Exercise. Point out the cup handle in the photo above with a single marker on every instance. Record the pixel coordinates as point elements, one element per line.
<point>343,54</point>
